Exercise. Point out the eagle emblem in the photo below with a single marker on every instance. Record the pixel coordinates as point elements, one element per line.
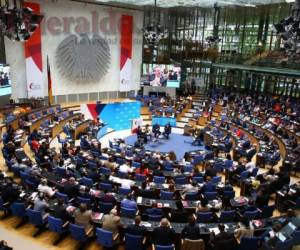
<point>83,59</point>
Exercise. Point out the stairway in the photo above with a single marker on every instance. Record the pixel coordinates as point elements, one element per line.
<point>197,101</point>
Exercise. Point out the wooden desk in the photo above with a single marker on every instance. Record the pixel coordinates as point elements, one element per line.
<point>36,125</point>
<point>251,137</point>
<point>202,121</point>
<point>15,123</point>
<point>81,128</point>
<point>58,128</point>
<point>280,143</point>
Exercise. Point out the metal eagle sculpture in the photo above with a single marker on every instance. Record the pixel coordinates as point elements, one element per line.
<point>84,59</point>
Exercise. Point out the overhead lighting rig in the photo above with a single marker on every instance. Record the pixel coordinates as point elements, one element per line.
<point>288,30</point>
<point>17,22</point>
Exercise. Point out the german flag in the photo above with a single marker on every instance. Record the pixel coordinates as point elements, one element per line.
<point>50,96</point>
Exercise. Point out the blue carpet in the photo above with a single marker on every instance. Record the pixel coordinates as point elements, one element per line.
<point>178,143</point>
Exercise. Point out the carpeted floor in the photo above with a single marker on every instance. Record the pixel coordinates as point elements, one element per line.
<point>176,142</point>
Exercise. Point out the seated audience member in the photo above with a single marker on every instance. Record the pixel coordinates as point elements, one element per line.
<point>126,168</point>
<point>262,198</point>
<point>71,188</point>
<point>167,130</point>
<point>191,231</point>
<point>111,222</point>
<point>143,170</point>
<point>59,210</point>
<point>129,202</point>
<point>153,210</point>
<point>179,215</point>
<point>163,234</point>
<point>190,188</point>
<point>40,204</point>
<point>156,130</point>
<point>44,188</point>
<point>147,192</point>
<point>243,230</point>
<point>203,206</point>
<point>83,217</point>
<point>210,171</point>
<point>4,245</point>
<point>172,156</point>
<point>223,240</point>
<point>9,192</point>
<point>107,197</point>
<point>136,228</point>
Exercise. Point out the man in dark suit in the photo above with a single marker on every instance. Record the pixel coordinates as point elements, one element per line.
<point>163,234</point>
<point>70,188</point>
<point>224,240</point>
<point>167,130</point>
<point>59,210</point>
<point>191,231</point>
<point>156,130</point>
<point>210,171</point>
<point>136,228</point>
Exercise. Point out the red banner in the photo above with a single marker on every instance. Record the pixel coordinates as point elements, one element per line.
<point>126,52</point>
<point>33,56</point>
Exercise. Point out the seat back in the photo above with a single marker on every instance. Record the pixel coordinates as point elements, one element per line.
<point>285,245</point>
<point>133,242</point>
<point>251,215</point>
<point>211,195</point>
<point>193,244</point>
<point>159,179</point>
<point>204,217</point>
<point>154,217</point>
<point>181,180</point>
<point>124,191</point>
<point>106,186</point>
<point>296,238</point>
<point>62,196</point>
<point>267,211</point>
<point>250,243</point>
<point>18,209</point>
<point>244,175</point>
<point>104,237</point>
<point>35,217</point>
<point>229,194</point>
<point>216,179</point>
<point>191,196</point>
<point>140,177</point>
<point>159,247</point>
<point>105,207</point>
<point>55,225</point>
<point>128,212</point>
<point>86,201</point>
<point>188,168</point>
<point>165,195</point>
<point>254,172</point>
<point>78,233</point>
<point>227,216</point>
<point>87,181</point>
<point>136,164</point>
<point>198,179</point>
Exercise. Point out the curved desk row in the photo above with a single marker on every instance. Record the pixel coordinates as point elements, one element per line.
<point>281,145</point>
<point>44,110</point>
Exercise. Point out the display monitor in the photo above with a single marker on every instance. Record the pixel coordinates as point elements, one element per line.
<point>161,75</point>
<point>5,84</point>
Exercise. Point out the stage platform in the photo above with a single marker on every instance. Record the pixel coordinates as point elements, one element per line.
<point>177,142</point>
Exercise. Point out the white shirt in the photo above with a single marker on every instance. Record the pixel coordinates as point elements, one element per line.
<point>127,183</point>
<point>125,169</point>
<point>46,190</point>
<point>250,166</point>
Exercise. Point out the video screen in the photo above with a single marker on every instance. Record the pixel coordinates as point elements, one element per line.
<point>5,83</point>
<point>161,75</point>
